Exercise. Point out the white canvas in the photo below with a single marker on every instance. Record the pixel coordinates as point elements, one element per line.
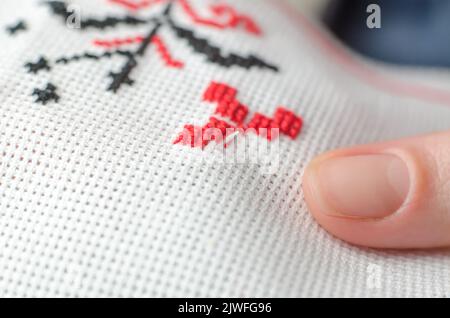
<point>96,200</point>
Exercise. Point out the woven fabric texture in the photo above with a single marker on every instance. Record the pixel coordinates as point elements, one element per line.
<point>96,200</point>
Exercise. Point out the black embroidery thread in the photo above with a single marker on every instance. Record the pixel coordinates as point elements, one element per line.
<point>123,77</point>
<point>59,8</point>
<point>19,26</point>
<point>214,53</point>
<point>47,94</point>
<point>91,56</point>
<point>199,45</point>
<point>41,64</point>
<point>44,64</point>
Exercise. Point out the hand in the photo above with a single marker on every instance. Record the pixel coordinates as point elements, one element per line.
<point>387,195</point>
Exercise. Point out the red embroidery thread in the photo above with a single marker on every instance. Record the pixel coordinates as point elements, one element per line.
<point>235,19</point>
<point>134,6</point>
<point>232,18</point>
<point>228,106</point>
<point>165,54</point>
<point>195,136</point>
<point>156,40</point>
<point>285,121</point>
<point>118,42</point>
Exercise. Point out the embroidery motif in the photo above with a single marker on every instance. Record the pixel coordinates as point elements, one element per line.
<point>284,121</point>
<point>19,26</point>
<point>224,17</point>
<point>134,6</point>
<point>157,41</point>
<point>41,64</point>
<point>165,54</point>
<point>59,8</point>
<point>234,20</point>
<point>47,94</point>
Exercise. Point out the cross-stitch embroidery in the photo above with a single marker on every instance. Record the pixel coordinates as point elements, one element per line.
<point>46,94</point>
<point>226,18</point>
<point>228,107</point>
<point>17,27</point>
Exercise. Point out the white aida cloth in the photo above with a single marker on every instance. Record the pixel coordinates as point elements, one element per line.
<point>96,200</point>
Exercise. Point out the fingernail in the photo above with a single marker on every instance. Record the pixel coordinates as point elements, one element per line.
<point>363,186</point>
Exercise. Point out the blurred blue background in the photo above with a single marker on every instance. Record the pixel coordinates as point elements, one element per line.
<point>413,32</point>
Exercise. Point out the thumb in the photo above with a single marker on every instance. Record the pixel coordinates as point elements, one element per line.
<point>388,195</point>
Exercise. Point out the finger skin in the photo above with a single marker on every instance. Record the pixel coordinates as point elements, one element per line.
<point>423,221</point>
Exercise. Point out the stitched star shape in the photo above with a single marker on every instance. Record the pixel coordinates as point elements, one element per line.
<point>47,94</point>
<point>41,64</point>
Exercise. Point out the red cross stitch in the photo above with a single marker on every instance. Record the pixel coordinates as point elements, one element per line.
<point>161,48</point>
<point>232,19</point>
<point>135,5</point>
<point>225,17</point>
<point>284,121</point>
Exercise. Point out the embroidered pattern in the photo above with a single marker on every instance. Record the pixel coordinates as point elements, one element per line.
<point>134,6</point>
<point>19,26</point>
<point>60,9</point>
<point>165,54</point>
<point>234,19</point>
<point>228,107</point>
<point>194,136</point>
<point>223,17</point>
<point>157,41</point>
<point>47,94</point>
<point>41,64</point>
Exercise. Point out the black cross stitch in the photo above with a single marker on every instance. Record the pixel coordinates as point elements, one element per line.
<point>19,26</point>
<point>59,8</point>
<point>92,56</point>
<point>47,94</point>
<point>213,53</point>
<point>41,64</point>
